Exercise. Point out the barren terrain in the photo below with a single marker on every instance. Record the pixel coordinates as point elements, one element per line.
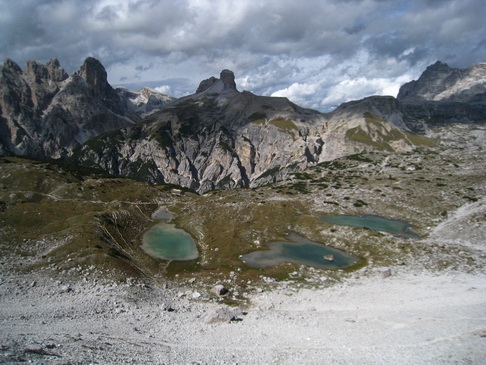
<point>75,287</point>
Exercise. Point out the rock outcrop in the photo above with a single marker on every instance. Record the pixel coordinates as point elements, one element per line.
<point>144,101</point>
<point>206,84</point>
<point>46,113</point>
<point>220,138</point>
<point>226,81</point>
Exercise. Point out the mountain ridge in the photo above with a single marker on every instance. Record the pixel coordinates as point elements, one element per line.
<point>46,113</point>
<point>218,137</point>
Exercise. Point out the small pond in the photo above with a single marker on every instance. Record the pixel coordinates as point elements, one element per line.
<point>395,227</point>
<point>300,250</point>
<point>165,241</point>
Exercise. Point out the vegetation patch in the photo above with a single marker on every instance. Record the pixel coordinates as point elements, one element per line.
<point>284,124</point>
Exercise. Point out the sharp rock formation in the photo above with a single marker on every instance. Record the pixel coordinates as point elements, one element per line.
<point>44,112</point>
<point>221,138</point>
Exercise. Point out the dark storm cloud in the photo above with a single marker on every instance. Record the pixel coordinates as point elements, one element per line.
<point>316,52</point>
<point>144,68</point>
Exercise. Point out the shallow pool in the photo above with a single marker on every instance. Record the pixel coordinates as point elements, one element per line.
<point>396,227</point>
<point>300,250</point>
<point>165,241</point>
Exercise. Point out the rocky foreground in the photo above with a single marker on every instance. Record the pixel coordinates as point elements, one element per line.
<point>406,318</point>
<point>413,301</point>
<point>402,315</point>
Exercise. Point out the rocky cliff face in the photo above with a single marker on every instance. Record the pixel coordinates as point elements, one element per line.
<point>45,112</point>
<point>144,101</point>
<point>220,138</point>
<point>441,96</point>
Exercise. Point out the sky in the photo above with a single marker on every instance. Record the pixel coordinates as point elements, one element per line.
<point>318,53</point>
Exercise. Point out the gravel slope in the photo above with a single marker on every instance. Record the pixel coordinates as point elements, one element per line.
<point>409,317</point>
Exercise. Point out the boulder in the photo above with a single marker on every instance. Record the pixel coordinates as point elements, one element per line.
<point>385,272</point>
<point>219,290</point>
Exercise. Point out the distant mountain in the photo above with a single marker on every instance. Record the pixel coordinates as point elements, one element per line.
<point>46,112</point>
<point>144,101</point>
<point>442,95</point>
<point>221,138</point>
<point>439,82</point>
<point>218,137</point>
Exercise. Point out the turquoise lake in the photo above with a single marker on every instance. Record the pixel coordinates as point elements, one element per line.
<point>165,241</point>
<point>299,250</point>
<point>395,227</point>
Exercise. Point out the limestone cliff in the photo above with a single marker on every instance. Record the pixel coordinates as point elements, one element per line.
<point>441,96</point>
<point>220,138</point>
<point>44,112</point>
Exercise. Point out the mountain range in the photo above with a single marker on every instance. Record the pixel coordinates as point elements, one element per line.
<point>218,137</point>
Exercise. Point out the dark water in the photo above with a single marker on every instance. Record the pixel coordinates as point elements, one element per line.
<point>299,250</point>
<point>165,241</point>
<point>376,223</point>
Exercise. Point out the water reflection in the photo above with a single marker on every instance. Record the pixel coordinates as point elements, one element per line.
<point>165,241</point>
<point>396,227</point>
<point>300,250</point>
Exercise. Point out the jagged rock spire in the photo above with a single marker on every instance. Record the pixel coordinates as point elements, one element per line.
<point>93,72</point>
<point>12,66</point>
<point>226,77</point>
<point>206,84</point>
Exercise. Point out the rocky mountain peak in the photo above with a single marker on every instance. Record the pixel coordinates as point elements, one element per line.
<point>226,81</point>
<point>44,112</point>
<point>56,72</point>
<point>44,81</point>
<point>143,101</point>
<point>10,65</point>
<point>206,84</point>
<point>93,72</point>
<point>439,82</point>
<point>437,66</point>
<point>37,71</point>
<point>228,78</point>
<point>41,73</point>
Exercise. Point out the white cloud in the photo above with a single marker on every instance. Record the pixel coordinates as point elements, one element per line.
<point>165,89</point>
<point>297,92</point>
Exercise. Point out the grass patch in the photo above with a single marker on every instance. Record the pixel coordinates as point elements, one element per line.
<point>284,124</point>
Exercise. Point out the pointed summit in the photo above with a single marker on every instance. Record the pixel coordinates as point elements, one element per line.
<point>228,78</point>
<point>56,72</point>
<point>226,81</point>
<point>11,66</point>
<point>93,72</point>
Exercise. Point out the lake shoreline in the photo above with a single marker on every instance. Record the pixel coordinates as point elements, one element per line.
<point>401,314</point>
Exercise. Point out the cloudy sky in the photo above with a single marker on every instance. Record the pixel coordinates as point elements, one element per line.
<point>318,53</point>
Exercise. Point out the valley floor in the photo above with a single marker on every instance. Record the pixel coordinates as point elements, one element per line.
<point>410,317</point>
<point>424,305</point>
